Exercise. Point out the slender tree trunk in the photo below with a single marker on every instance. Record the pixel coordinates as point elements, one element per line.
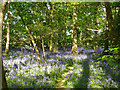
<point>8,32</point>
<point>80,38</point>
<point>119,32</point>
<point>32,49</point>
<point>75,32</point>
<point>80,42</point>
<point>33,41</point>
<point>21,48</point>
<point>110,23</point>
<point>63,45</point>
<point>96,45</point>
<point>34,44</point>
<point>3,83</point>
<point>43,49</point>
<point>56,44</point>
<point>39,43</point>
<point>51,36</point>
<point>43,40</point>
<point>51,43</point>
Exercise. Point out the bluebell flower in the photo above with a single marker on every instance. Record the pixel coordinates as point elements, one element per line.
<point>88,86</point>
<point>118,84</point>
<point>25,82</point>
<point>91,76</point>
<point>37,77</point>
<point>66,76</point>
<point>15,65</point>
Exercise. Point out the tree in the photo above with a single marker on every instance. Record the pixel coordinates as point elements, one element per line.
<point>8,32</point>
<point>3,83</point>
<point>32,38</point>
<point>50,23</point>
<point>110,23</point>
<point>75,31</point>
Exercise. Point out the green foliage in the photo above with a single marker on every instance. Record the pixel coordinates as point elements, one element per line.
<point>110,59</point>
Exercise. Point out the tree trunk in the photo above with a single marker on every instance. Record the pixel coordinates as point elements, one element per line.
<point>8,32</point>
<point>106,41</point>
<point>3,83</point>
<point>51,43</point>
<point>33,41</point>
<point>75,32</point>
<point>32,49</point>
<point>110,23</point>
<point>34,44</point>
<point>63,45</point>
<point>119,32</point>
<point>50,22</point>
<point>43,49</point>
<point>39,42</point>
<point>80,38</point>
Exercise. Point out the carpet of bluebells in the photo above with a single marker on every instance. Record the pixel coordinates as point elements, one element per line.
<point>59,70</point>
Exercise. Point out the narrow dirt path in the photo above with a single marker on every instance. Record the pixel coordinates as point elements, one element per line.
<point>65,74</point>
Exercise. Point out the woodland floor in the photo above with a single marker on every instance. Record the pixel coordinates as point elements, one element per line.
<point>61,70</point>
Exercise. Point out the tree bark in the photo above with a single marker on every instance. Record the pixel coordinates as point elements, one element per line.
<point>3,83</point>
<point>80,38</point>
<point>110,23</point>
<point>51,43</point>
<point>50,22</point>
<point>8,32</point>
<point>63,45</point>
<point>75,32</point>
<point>43,49</point>
<point>119,33</point>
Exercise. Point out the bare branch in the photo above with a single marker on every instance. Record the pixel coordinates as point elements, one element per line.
<point>99,30</point>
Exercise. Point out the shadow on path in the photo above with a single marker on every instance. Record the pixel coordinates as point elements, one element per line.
<point>83,81</point>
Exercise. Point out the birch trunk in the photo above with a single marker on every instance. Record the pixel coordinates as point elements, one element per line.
<point>43,49</point>
<point>3,83</point>
<point>8,32</point>
<point>50,22</point>
<point>75,32</point>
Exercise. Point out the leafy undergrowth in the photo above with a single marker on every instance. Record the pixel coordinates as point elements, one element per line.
<point>61,70</point>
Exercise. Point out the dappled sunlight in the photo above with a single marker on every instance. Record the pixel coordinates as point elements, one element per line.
<point>80,57</point>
